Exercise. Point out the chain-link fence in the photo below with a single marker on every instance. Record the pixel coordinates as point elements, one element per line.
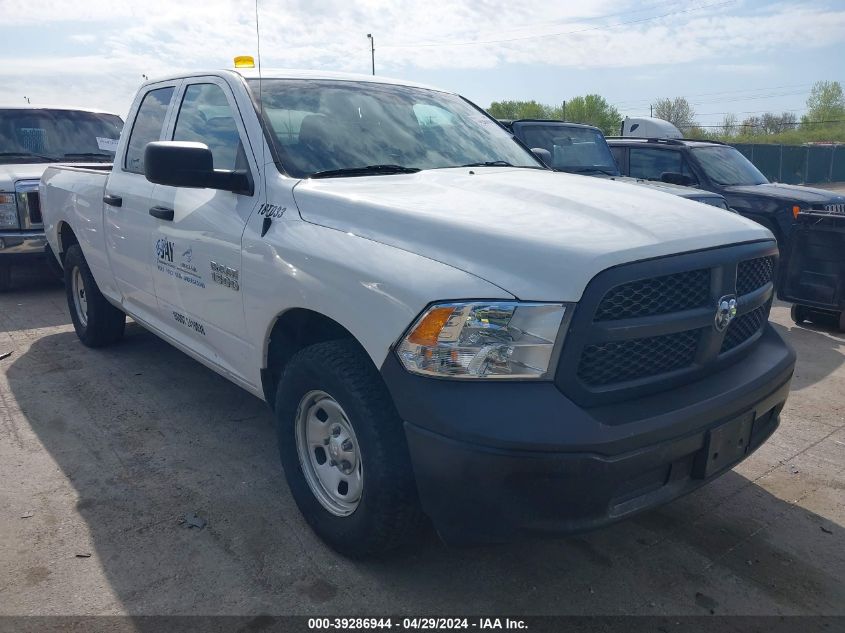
<point>797,164</point>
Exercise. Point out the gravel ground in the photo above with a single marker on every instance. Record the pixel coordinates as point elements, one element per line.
<point>102,453</point>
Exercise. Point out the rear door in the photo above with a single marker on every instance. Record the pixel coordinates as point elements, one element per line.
<point>127,222</point>
<point>198,253</point>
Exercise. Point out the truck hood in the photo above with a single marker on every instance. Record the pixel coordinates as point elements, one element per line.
<point>539,235</point>
<point>796,193</point>
<point>10,174</point>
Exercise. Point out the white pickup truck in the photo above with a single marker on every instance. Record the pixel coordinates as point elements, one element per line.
<point>440,325</point>
<point>31,137</point>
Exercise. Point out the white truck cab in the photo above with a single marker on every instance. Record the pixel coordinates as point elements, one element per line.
<point>32,137</point>
<point>649,127</point>
<point>441,325</point>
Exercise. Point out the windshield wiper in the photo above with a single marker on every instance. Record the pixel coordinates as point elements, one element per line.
<point>89,155</point>
<point>589,170</point>
<point>28,155</point>
<point>369,170</point>
<point>490,163</point>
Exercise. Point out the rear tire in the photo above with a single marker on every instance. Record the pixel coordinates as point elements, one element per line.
<point>97,322</point>
<point>798,313</point>
<point>5,277</point>
<point>333,392</point>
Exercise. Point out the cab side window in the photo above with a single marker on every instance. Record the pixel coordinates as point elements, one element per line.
<point>147,128</point>
<point>206,117</point>
<point>651,164</point>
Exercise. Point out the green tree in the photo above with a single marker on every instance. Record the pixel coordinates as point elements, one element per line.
<point>825,103</point>
<point>519,110</point>
<point>770,123</point>
<point>730,125</point>
<point>677,111</point>
<point>592,110</point>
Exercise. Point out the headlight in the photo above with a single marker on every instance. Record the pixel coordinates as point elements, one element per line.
<point>8,211</point>
<point>483,340</point>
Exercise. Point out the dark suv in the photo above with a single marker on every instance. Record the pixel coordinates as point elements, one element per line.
<point>721,168</point>
<point>576,148</point>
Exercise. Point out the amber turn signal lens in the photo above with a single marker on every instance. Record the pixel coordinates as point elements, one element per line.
<point>795,211</point>
<point>429,328</point>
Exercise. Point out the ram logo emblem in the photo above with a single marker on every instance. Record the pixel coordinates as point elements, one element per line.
<point>725,312</point>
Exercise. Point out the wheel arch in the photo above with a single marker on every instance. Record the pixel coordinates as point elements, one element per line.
<point>66,238</point>
<point>293,330</point>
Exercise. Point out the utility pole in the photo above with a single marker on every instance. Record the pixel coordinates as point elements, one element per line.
<point>372,50</point>
<point>564,110</point>
<point>651,110</point>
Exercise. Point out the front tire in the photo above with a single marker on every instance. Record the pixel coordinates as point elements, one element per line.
<point>97,322</point>
<point>344,452</point>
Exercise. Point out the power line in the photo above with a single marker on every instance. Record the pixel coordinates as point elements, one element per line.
<point>776,111</point>
<point>771,95</point>
<point>584,30</point>
<point>795,124</point>
<point>630,102</point>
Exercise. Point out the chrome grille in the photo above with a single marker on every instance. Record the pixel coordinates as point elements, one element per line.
<point>658,295</point>
<point>618,361</point>
<point>744,327</point>
<point>29,204</point>
<point>838,209</point>
<point>34,205</point>
<point>635,333</point>
<point>753,274</point>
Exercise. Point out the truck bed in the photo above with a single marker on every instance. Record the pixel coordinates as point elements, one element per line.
<point>72,195</point>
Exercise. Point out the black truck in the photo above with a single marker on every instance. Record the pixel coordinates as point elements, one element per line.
<point>718,167</point>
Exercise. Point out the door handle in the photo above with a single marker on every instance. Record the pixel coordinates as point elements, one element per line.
<point>162,213</point>
<point>113,200</point>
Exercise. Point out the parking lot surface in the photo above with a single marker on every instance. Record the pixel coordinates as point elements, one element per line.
<point>103,453</point>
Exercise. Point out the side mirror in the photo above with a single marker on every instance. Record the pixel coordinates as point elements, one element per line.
<point>674,178</point>
<point>185,164</point>
<point>544,155</point>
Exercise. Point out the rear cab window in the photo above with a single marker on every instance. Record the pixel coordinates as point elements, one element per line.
<point>148,127</point>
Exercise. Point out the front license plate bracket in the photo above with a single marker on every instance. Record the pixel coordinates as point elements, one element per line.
<point>725,445</point>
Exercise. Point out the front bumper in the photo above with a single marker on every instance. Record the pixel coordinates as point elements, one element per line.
<point>22,245</point>
<point>493,460</point>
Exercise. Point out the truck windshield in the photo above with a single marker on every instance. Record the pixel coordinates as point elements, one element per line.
<point>574,149</point>
<point>726,166</point>
<point>43,135</point>
<point>333,128</point>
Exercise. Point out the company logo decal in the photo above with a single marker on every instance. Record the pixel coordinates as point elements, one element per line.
<point>185,270</point>
<point>164,250</point>
<point>725,312</point>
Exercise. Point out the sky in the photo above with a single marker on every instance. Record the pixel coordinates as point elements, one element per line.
<point>739,56</point>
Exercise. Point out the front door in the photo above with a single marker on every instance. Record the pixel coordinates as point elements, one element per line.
<point>198,253</point>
